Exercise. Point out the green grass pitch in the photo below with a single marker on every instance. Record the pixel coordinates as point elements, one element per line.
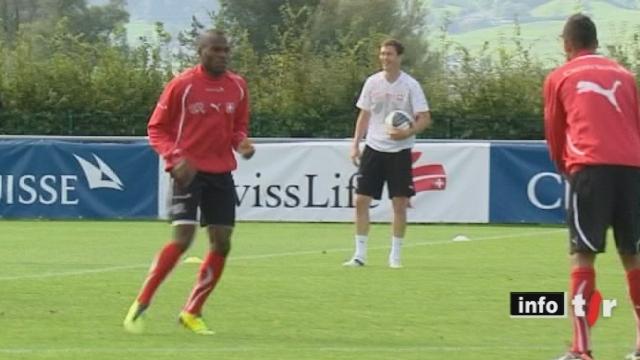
<point>66,286</point>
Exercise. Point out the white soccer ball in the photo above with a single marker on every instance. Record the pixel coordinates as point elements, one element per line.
<point>398,119</point>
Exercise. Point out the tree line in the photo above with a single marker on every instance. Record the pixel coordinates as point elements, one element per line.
<point>66,68</point>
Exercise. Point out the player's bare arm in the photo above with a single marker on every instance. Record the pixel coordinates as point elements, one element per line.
<point>362,123</point>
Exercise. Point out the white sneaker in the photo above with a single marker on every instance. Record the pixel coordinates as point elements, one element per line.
<point>575,356</point>
<point>395,264</point>
<point>633,356</point>
<point>354,262</point>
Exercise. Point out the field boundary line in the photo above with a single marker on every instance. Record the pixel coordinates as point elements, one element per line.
<point>275,255</point>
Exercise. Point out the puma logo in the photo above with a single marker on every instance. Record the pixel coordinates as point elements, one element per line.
<point>610,94</point>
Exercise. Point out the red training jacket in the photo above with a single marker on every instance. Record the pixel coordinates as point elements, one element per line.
<point>201,119</point>
<point>591,114</point>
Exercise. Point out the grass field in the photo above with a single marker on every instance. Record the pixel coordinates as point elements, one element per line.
<point>65,287</point>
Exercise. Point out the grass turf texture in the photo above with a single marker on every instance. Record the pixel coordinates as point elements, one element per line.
<point>67,285</point>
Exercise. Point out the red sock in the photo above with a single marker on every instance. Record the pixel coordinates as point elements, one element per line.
<point>160,268</point>
<point>633,280</point>
<point>583,281</point>
<point>210,273</point>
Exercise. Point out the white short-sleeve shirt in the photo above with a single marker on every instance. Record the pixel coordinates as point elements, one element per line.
<point>380,97</point>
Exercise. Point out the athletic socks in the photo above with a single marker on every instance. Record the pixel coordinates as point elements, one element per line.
<point>396,246</point>
<point>160,268</point>
<point>210,273</point>
<point>361,247</point>
<point>583,282</point>
<point>633,281</point>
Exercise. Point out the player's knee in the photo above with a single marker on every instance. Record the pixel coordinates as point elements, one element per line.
<point>221,244</point>
<point>630,261</point>
<point>400,205</point>
<point>362,202</point>
<point>583,259</point>
<point>183,244</point>
<point>220,239</point>
<point>183,236</point>
<point>222,247</point>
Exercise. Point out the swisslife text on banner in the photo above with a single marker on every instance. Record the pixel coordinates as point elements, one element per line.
<point>58,179</point>
<point>315,181</point>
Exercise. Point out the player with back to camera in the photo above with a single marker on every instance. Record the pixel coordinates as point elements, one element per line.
<point>201,117</point>
<point>387,155</point>
<point>592,125</point>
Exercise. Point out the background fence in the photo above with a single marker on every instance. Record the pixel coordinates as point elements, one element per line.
<point>287,180</point>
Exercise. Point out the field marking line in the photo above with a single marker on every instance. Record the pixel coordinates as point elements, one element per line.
<point>73,273</point>
<point>275,255</point>
<point>405,245</point>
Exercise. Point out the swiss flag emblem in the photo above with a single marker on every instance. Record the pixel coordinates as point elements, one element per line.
<point>430,177</point>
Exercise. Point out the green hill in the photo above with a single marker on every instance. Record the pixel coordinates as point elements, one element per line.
<point>541,26</point>
<point>555,8</point>
<point>471,22</point>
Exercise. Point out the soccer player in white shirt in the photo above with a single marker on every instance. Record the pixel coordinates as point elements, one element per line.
<point>387,155</point>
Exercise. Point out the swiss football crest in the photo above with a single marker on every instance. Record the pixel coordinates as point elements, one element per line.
<point>196,108</point>
<point>230,107</point>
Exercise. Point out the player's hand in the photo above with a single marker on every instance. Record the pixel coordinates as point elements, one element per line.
<point>355,155</point>
<point>183,173</point>
<point>400,134</point>
<point>246,148</point>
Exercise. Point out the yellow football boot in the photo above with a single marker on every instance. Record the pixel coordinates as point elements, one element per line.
<point>194,323</point>
<point>134,321</point>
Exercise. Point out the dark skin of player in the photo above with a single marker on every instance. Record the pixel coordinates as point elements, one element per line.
<point>213,51</point>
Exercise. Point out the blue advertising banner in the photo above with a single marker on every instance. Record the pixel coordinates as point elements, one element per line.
<point>60,179</point>
<point>524,185</point>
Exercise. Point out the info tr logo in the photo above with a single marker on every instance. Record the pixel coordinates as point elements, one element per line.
<point>552,304</point>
